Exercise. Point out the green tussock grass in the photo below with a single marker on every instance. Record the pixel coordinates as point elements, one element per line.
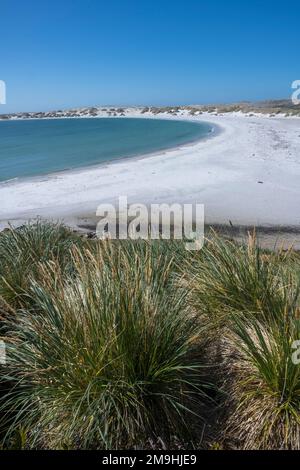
<point>112,343</point>
<point>109,356</point>
<point>248,298</point>
<point>23,249</point>
<point>226,277</point>
<point>266,389</point>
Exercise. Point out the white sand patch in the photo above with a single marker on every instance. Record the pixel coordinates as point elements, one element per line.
<point>248,174</point>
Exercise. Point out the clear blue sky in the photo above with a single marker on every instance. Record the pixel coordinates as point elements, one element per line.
<point>57,54</point>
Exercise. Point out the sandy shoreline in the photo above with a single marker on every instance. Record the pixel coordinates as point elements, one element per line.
<point>214,130</point>
<point>247,174</point>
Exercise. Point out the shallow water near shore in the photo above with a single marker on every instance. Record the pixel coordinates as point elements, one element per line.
<point>30,148</point>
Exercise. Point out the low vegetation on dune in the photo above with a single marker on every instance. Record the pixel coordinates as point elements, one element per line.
<point>131,344</point>
<point>272,108</point>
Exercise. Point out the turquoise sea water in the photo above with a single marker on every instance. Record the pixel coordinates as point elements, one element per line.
<point>29,148</point>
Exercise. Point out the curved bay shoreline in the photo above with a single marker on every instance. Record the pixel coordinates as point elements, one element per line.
<point>213,131</point>
<point>246,174</point>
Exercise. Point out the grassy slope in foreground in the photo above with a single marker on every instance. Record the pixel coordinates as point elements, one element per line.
<point>123,344</point>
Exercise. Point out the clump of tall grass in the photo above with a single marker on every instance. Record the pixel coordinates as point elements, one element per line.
<point>228,277</point>
<point>265,378</point>
<point>22,249</point>
<point>110,355</point>
<point>249,300</point>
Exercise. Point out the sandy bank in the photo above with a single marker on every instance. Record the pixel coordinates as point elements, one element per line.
<point>248,174</point>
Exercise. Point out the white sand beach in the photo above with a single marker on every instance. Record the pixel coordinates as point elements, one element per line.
<point>248,173</point>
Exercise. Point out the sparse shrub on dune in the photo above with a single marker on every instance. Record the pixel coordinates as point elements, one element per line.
<point>110,356</point>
